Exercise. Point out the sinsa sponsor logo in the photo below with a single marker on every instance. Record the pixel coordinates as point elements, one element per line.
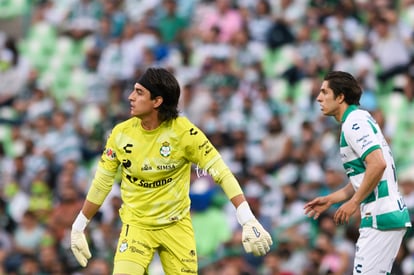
<point>165,166</point>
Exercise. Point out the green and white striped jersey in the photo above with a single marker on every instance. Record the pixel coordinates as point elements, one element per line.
<point>384,208</point>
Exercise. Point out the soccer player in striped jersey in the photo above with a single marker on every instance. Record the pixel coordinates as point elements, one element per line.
<point>373,185</point>
<point>155,150</point>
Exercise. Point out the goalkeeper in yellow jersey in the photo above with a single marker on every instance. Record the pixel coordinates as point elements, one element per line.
<point>156,149</point>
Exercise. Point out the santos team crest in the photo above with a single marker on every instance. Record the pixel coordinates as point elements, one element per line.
<point>124,246</point>
<point>165,149</point>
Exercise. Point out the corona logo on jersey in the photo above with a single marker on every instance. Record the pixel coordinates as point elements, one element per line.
<point>165,149</point>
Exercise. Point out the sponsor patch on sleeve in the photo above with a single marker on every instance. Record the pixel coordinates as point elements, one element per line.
<point>110,153</point>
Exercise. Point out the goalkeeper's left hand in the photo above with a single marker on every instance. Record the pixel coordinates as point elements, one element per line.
<point>255,238</point>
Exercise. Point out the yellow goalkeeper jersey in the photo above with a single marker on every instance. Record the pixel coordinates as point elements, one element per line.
<point>155,169</point>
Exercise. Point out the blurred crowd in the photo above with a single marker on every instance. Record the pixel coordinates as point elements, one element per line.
<point>249,70</point>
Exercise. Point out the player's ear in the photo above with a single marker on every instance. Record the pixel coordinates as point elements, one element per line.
<point>341,98</point>
<point>158,101</point>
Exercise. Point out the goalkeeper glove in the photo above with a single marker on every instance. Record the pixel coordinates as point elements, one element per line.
<point>255,238</point>
<point>78,243</point>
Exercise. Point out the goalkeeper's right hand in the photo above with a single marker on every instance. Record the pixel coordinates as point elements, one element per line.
<point>78,243</point>
<point>255,238</point>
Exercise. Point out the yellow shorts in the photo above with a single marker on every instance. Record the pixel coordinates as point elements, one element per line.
<point>175,245</point>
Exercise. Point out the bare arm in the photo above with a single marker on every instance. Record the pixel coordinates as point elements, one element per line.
<point>375,166</point>
<point>320,204</point>
<point>237,200</point>
<point>342,194</point>
<point>89,209</point>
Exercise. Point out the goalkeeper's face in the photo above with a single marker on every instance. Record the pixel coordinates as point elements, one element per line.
<point>141,104</point>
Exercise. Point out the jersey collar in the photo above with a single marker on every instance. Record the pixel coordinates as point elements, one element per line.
<point>348,111</point>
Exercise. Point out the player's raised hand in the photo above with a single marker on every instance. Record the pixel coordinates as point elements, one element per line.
<point>315,207</point>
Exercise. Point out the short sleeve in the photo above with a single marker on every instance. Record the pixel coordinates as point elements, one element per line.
<point>360,135</point>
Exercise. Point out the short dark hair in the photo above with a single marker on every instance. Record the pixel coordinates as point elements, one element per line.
<point>344,83</point>
<point>161,82</point>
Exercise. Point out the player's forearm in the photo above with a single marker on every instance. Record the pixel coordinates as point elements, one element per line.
<point>101,186</point>
<point>342,194</point>
<point>223,176</point>
<point>237,200</point>
<point>89,209</point>
<point>373,174</point>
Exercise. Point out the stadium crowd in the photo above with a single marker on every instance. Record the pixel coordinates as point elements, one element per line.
<point>249,70</point>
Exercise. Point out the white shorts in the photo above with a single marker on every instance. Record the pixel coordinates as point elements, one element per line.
<point>376,250</point>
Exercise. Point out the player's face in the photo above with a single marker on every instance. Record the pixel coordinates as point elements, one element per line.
<point>140,101</point>
<point>326,98</point>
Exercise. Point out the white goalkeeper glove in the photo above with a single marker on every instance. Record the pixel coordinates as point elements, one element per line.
<point>78,243</point>
<point>255,238</point>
